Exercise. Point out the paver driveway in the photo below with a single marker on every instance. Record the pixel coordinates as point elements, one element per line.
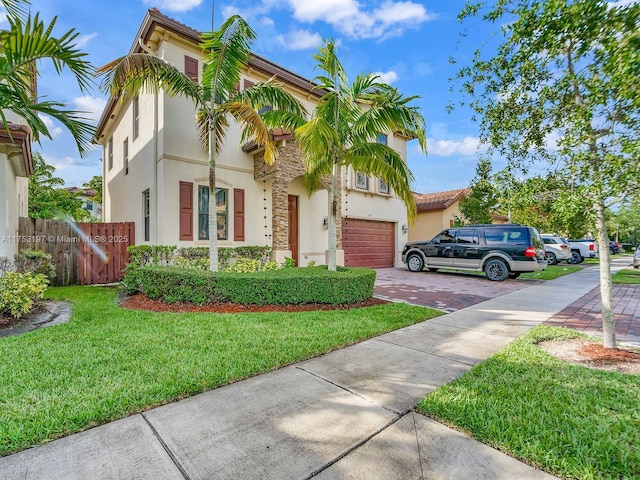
<point>448,291</point>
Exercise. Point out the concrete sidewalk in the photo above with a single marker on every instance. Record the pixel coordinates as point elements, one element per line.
<point>347,414</point>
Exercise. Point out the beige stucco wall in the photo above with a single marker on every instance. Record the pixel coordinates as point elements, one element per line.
<point>14,192</point>
<point>429,224</point>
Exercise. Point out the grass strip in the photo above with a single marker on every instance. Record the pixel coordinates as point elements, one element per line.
<point>629,276</point>
<point>569,420</point>
<point>108,362</point>
<point>551,272</point>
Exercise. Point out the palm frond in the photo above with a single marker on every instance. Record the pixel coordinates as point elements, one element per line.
<point>132,74</point>
<point>21,104</point>
<point>253,128</point>
<point>389,112</point>
<point>329,63</point>
<point>23,44</point>
<point>271,95</point>
<point>16,8</point>
<point>319,144</point>
<point>221,125</point>
<point>229,50</point>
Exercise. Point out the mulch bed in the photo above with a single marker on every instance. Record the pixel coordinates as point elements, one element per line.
<point>141,302</point>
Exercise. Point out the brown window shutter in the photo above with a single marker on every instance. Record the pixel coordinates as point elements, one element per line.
<point>186,211</point>
<point>191,68</point>
<point>247,84</point>
<point>238,214</point>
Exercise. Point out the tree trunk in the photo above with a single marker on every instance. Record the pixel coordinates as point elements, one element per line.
<point>213,217</point>
<point>333,208</point>
<point>608,318</point>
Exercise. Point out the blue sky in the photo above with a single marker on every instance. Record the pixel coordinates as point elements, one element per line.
<point>408,42</point>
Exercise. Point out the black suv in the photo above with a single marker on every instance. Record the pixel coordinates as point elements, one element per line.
<point>500,251</point>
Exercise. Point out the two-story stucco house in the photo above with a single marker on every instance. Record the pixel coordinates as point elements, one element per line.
<point>16,165</point>
<point>155,173</point>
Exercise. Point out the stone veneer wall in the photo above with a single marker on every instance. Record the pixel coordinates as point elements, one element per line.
<point>287,166</point>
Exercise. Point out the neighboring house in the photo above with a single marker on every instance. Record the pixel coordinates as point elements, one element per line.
<point>155,173</point>
<point>88,202</point>
<point>436,211</point>
<point>16,165</point>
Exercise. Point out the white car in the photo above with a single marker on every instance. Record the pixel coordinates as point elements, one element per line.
<point>636,258</point>
<point>556,249</point>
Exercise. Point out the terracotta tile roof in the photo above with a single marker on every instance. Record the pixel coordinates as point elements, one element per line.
<point>439,200</point>
<point>87,192</point>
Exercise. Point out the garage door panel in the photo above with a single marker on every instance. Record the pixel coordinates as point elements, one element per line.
<point>368,243</point>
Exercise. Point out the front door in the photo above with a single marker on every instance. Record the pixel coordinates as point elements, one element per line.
<point>439,251</point>
<point>293,227</point>
<point>466,251</point>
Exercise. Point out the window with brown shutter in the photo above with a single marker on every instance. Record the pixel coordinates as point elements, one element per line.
<point>247,84</point>
<point>238,214</point>
<point>191,68</point>
<point>186,211</point>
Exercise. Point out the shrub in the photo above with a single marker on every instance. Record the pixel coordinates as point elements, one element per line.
<point>141,256</point>
<point>18,291</point>
<point>288,263</point>
<point>244,265</point>
<point>192,258</point>
<point>191,262</point>
<point>172,284</point>
<point>282,286</point>
<point>35,261</point>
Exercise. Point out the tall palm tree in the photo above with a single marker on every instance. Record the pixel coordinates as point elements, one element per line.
<point>216,97</point>
<point>24,44</point>
<point>343,132</point>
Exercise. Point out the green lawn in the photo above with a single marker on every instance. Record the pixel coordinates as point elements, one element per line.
<point>627,276</point>
<point>552,271</point>
<point>108,362</point>
<point>571,421</point>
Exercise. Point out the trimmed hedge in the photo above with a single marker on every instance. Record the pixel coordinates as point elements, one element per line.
<point>285,286</point>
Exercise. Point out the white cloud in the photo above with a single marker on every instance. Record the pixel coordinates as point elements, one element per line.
<point>445,148</point>
<point>74,171</point>
<point>388,77</point>
<point>83,40</point>
<point>174,5</point>
<point>92,106</point>
<point>54,130</point>
<point>349,17</point>
<point>300,40</point>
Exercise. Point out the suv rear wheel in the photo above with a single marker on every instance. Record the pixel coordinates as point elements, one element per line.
<point>575,258</point>
<point>496,270</point>
<point>550,257</point>
<point>415,263</point>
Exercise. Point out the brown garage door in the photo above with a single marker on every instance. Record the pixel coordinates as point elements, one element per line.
<point>368,243</point>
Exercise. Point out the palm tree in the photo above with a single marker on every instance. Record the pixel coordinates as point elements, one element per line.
<point>216,98</point>
<point>343,131</point>
<point>22,45</point>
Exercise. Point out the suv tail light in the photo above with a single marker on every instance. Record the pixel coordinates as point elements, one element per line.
<point>563,246</point>
<point>591,246</point>
<point>530,252</point>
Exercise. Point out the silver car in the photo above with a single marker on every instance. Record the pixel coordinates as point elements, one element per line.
<point>636,258</point>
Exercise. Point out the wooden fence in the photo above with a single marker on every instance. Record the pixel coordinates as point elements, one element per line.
<point>84,253</point>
